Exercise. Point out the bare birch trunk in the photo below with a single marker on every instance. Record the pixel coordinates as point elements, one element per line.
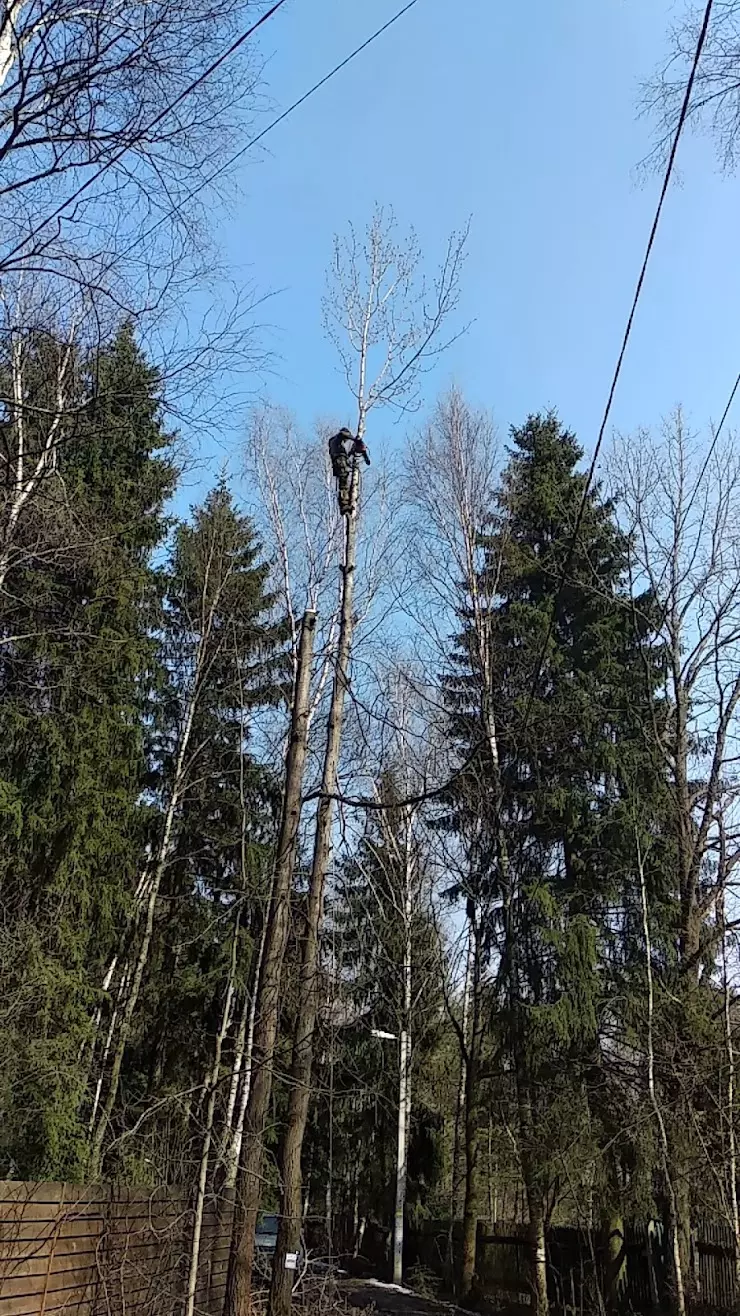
<point>471,1145</point>
<point>267,1008</point>
<point>212,1091</point>
<point>460,1106</point>
<point>539,1252</point>
<point>103,1121</point>
<point>678,1276</point>
<point>235,1084</point>
<point>289,1157</point>
<point>527,1136</point>
<point>241,1079</point>
<point>401,1156</point>
<point>245,1032</point>
<point>404,1077</point>
<point>29,467</point>
<point>730,1103</point>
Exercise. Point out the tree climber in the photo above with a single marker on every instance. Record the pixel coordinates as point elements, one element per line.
<point>340,468</point>
<point>343,448</point>
<point>359,449</point>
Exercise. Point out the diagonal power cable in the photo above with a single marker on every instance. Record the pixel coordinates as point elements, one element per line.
<point>143,133</point>
<point>620,360</point>
<point>253,141</point>
<point>285,114</point>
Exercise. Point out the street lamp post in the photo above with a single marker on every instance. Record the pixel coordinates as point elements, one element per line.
<point>402,1143</point>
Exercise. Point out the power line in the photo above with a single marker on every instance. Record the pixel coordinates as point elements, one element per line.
<point>311,91</point>
<point>248,145</point>
<point>710,453</point>
<point>620,360</point>
<point>280,119</point>
<point>144,132</point>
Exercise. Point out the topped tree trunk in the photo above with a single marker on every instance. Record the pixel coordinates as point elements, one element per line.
<point>376,303</point>
<point>289,1232</point>
<point>249,1181</point>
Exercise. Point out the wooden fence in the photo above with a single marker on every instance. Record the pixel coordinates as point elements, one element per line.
<point>105,1251</point>
<point>578,1265</point>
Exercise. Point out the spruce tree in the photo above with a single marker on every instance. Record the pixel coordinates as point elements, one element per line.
<point>381,930</point>
<point>77,666</point>
<point>569,694</point>
<point>216,881</point>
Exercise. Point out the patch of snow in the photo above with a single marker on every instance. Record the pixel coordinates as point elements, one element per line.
<point>392,1288</point>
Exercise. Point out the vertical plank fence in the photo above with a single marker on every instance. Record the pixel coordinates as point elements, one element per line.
<point>577,1265</point>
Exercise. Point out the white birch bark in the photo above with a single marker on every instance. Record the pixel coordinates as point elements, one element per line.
<point>212,1092</point>
<point>404,1081</point>
<point>209,603</point>
<point>236,1134</point>
<point>652,1092</point>
<point>730,1103</point>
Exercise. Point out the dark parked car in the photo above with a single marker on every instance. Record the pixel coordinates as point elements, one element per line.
<point>265,1242</point>
<point>265,1237</point>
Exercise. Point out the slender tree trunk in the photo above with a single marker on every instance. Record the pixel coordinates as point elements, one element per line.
<point>91,1042</point>
<point>527,1139</point>
<point>103,1121</point>
<point>9,42</point>
<point>212,1092</point>
<point>472,1169</point>
<point>492,1177</point>
<point>678,1270</point>
<point>527,1132</point>
<point>124,977</point>
<point>267,1010</point>
<point>689,935</point>
<point>404,1065</point>
<point>242,1077</point>
<point>460,1105</point>
<point>539,1249</point>
<point>230,1146</point>
<point>614,1238</point>
<point>235,1085</point>
<point>403,1127</point>
<point>730,1103</point>
<point>123,985</point>
<point>30,468</point>
<point>329,1198</point>
<point>615,1258</point>
<point>401,1155</point>
<point>289,1157</point>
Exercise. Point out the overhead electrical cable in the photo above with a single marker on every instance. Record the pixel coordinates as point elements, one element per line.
<point>683,115</point>
<point>143,133</point>
<point>253,141</point>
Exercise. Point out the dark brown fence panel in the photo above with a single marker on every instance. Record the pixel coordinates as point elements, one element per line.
<point>578,1265</point>
<point>715,1257</point>
<point>105,1251</point>
<point>502,1260</point>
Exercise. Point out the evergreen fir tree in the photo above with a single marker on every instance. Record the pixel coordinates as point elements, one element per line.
<point>81,603</point>
<point>568,720</point>
<point>369,933</point>
<point>217,879</point>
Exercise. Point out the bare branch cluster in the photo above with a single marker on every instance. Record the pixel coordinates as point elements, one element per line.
<point>715,107</point>
<point>380,312</point>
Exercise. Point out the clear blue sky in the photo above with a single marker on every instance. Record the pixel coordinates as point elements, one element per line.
<point>522,115</point>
